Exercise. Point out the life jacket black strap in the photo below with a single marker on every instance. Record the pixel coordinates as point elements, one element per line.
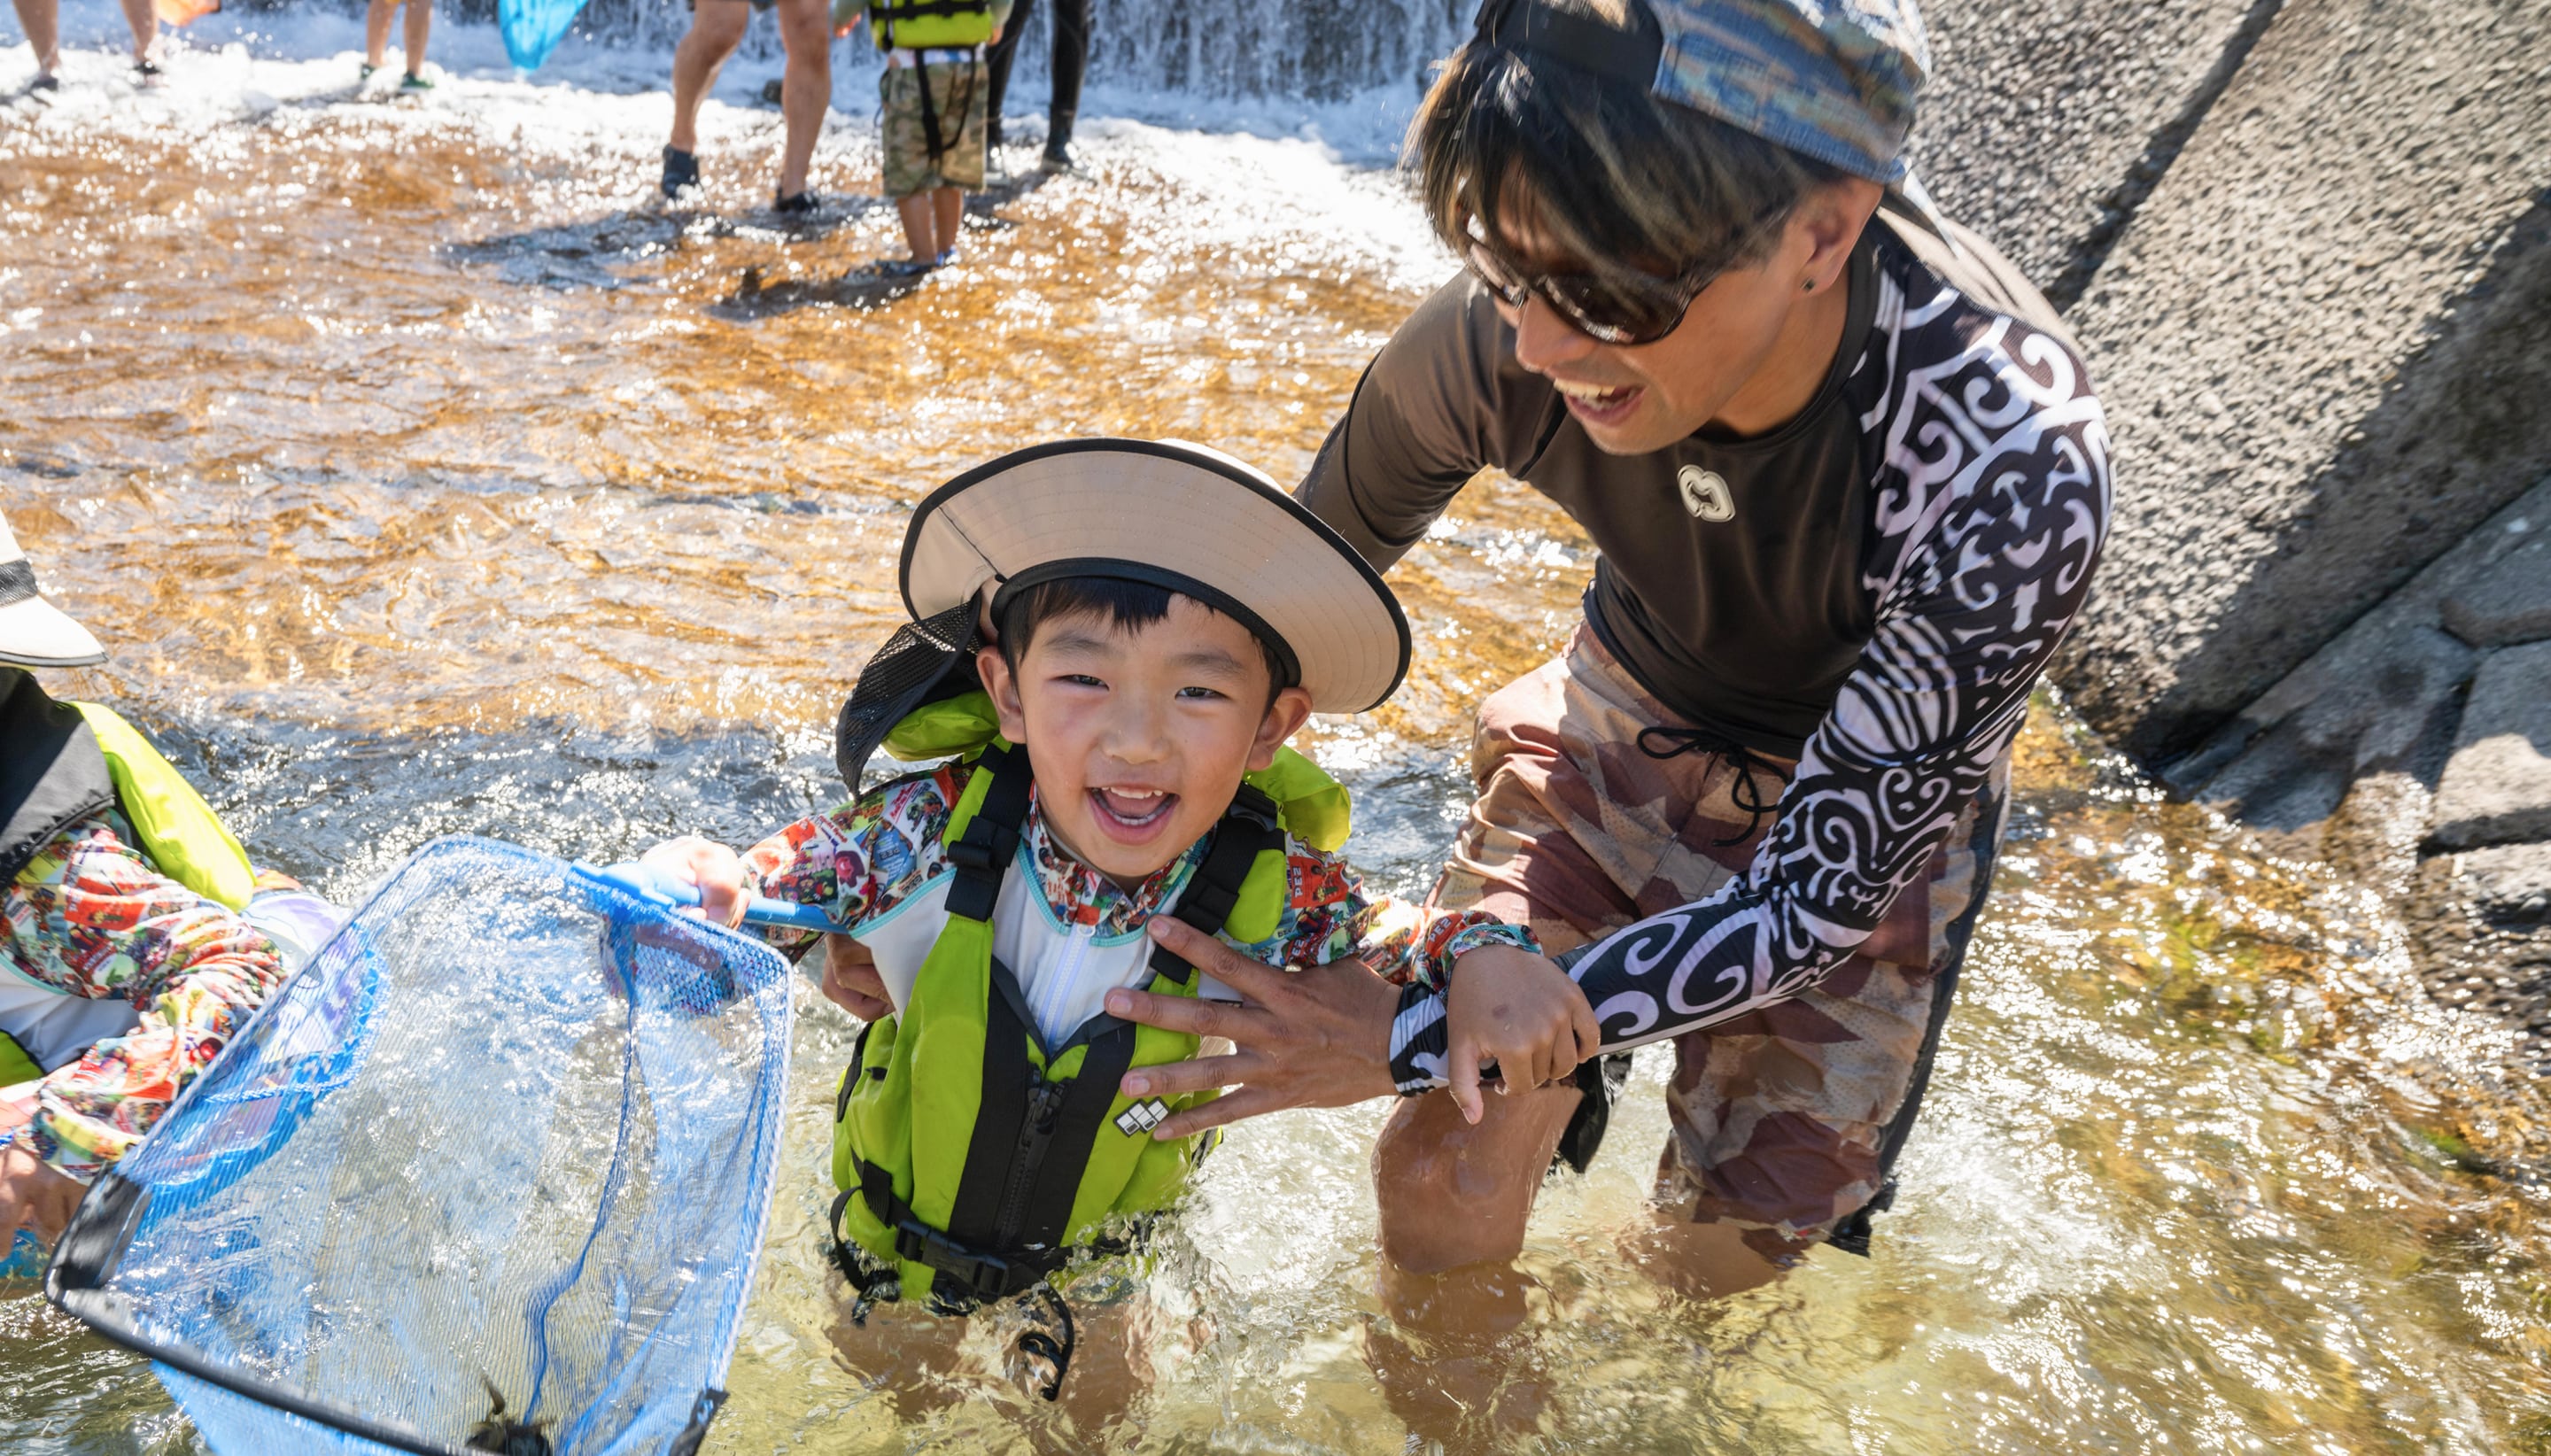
<point>1248,828</point>
<point>982,854</point>
<point>1003,1125</point>
<point>986,1277</point>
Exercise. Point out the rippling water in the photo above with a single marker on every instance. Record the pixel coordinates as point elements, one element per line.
<point>424,480</point>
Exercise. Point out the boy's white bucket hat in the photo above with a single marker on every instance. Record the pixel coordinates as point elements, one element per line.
<point>1176,515</point>
<point>35,633</point>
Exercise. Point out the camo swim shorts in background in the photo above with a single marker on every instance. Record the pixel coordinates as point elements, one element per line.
<point>957,92</point>
<point>1785,1119</point>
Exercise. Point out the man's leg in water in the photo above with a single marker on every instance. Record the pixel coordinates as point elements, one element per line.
<point>717,28</point>
<point>376,31</point>
<point>145,29</point>
<point>998,59</point>
<point>42,20</point>
<point>420,23</point>
<point>1777,1117</point>
<point>1070,47</point>
<point>948,206</point>
<point>806,32</point>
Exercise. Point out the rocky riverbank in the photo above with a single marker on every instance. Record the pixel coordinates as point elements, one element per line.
<point>2307,245</point>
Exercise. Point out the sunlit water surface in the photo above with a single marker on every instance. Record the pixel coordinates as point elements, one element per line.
<point>424,480</point>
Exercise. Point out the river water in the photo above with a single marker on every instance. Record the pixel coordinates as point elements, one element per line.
<point>424,480</point>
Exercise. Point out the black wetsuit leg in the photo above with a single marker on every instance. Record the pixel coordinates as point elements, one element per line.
<point>996,65</point>
<point>1070,61</point>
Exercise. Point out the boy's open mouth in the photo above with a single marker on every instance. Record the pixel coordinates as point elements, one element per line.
<point>1134,809</point>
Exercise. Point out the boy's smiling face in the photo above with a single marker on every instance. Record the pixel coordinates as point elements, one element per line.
<point>1140,735</point>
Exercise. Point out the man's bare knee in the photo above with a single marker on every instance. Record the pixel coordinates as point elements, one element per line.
<point>1452,1194</point>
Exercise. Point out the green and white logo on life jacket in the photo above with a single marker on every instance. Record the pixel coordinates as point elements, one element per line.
<point>971,1154</point>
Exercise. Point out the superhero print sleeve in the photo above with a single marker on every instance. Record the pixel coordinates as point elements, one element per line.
<point>1329,917</point>
<point>90,918</point>
<point>860,859</point>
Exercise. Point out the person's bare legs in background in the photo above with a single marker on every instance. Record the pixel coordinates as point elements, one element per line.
<point>377,38</point>
<point>717,28</point>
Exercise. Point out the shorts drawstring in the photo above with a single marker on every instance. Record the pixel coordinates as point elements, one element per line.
<point>1742,793</point>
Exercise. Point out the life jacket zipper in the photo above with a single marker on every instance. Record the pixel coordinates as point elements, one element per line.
<point>1035,1135</point>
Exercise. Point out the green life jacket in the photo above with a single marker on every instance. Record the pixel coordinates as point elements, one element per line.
<point>929,25</point>
<point>59,764</point>
<point>971,1155</point>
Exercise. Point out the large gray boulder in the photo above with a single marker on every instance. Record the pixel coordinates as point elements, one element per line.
<point>2321,343</point>
<point>2044,124</point>
<point>2496,787</point>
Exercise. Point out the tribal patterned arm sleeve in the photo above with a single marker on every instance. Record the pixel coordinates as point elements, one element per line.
<point>1998,476</point>
<point>1994,505</point>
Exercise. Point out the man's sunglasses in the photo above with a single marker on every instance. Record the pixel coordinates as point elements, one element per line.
<point>1631,310</point>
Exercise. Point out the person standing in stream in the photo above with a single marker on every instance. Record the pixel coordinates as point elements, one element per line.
<point>805,90</point>
<point>1069,53</point>
<point>1849,480</point>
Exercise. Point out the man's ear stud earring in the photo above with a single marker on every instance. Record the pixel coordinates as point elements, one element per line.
<point>1809,286</point>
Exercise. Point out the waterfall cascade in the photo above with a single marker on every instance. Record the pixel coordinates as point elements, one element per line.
<point>1313,50</point>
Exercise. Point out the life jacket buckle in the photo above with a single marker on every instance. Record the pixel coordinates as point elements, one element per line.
<point>1253,804</point>
<point>987,1276</point>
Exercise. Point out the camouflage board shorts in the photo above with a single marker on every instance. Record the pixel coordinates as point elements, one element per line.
<point>957,92</point>
<point>1785,1120</point>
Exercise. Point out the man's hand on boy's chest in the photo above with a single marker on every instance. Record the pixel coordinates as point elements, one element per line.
<point>1317,1037</point>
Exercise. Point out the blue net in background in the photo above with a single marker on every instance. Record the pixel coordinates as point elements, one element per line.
<point>511,1135</point>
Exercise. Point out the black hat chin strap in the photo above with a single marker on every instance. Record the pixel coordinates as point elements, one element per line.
<point>1582,41</point>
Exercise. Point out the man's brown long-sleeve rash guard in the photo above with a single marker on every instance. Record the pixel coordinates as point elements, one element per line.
<point>1872,588</point>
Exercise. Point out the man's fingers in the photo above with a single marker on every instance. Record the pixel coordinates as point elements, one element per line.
<point>1589,1032</point>
<point>1176,1079</point>
<point>1173,1013</point>
<point>1252,980</point>
<point>1249,1101</point>
<point>1462,1068</point>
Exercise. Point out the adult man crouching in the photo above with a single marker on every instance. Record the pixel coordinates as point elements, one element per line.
<point>1849,482</point>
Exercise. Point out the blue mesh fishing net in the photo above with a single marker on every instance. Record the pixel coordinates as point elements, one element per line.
<point>508,1138</point>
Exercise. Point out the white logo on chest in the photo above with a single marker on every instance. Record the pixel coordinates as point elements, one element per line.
<point>1705,494</point>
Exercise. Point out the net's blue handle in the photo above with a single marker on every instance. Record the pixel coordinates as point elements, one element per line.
<point>648,882</point>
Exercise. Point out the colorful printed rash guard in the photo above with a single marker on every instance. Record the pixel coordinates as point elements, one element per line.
<point>861,861</point>
<point>89,917</point>
<point>1871,589</point>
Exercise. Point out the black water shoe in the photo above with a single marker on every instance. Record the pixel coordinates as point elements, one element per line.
<point>681,170</point>
<point>1057,159</point>
<point>803,204</point>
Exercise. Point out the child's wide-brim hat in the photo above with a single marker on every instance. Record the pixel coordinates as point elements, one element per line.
<point>35,633</point>
<point>1174,515</point>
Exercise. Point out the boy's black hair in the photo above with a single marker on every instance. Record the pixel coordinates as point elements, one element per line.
<point>1125,605</point>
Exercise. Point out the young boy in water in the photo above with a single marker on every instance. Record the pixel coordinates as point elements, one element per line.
<point>980,1136</point>
<point>932,116</point>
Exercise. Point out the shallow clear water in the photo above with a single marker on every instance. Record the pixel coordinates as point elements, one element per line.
<point>423,480</point>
